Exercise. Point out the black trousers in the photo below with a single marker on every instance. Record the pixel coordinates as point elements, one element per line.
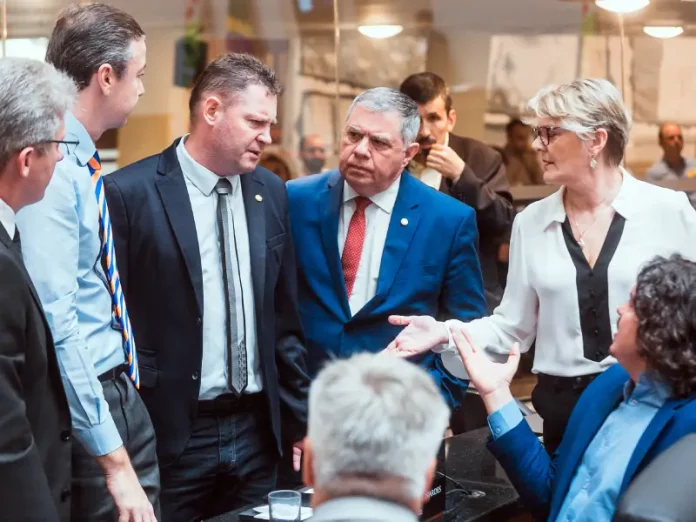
<point>91,501</point>
<point>554,399</point>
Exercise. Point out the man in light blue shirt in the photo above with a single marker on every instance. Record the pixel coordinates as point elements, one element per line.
<point>103,50</point>
<point>672,165</point>
<point>625,418</point>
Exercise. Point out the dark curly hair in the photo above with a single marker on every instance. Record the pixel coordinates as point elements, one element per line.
<point>665,305</point>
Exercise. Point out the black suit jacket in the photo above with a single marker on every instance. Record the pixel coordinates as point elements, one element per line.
<point>160,267</point>
<point>35,445</point>
<point>484,186</point>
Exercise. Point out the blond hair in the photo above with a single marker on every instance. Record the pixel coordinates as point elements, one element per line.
<point>583,107</point>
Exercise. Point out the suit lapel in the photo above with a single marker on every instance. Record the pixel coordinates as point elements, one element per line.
<point>402,227</point>
<point>177,205</point>
<point>329,210</point>
<point>255,209</point>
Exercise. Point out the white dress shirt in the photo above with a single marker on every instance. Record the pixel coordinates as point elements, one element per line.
<point>430,177</point>
<point>377,217</point>
<point>7,218</point>
<point>541,297</point>
<point>200,183</point>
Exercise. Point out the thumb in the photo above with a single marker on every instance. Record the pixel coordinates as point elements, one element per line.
<point>399,320</point>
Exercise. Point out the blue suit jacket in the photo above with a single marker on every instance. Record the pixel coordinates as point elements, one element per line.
<point>429,267</point>
<point>543,482</point>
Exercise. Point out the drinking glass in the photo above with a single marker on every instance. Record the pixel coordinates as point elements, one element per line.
<point>284,505</point>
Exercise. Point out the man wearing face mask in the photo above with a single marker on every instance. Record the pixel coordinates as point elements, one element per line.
<point>463,168</point>
<point>312,154</point>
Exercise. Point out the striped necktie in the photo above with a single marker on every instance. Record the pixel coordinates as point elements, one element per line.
<point>109,262</point>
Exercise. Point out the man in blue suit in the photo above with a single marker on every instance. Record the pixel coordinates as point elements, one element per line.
<point>628,415</point>
<point>373,241</point>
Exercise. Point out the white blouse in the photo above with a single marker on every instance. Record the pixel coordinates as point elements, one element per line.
<point>541,296</point>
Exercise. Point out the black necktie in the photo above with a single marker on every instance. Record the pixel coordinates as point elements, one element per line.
<point>17,243</point>
<point>236,342</point>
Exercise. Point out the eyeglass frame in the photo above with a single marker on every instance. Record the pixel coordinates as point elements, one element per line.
<point>551,132</point>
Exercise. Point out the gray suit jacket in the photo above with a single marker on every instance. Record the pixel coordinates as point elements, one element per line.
<point>362,509</point>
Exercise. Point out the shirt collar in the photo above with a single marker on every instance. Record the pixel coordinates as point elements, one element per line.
<point>202,178</point>
<point>384,200</point>
<point>627,201</point>
<point>7,218</point>
<point>363,508</point>
<point>649,389</point>
<point>75,131</point>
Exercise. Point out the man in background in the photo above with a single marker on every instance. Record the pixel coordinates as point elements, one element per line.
<point>34,415</point>
<point>312,154</point>
<point>672,165</point>
<point>366,456</point>
<point>463,168</point>
<point>522,162</point>
<point>68,249</point>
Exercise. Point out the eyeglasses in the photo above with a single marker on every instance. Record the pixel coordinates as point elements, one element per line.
<point>546,133</point>
<point>70,145</point>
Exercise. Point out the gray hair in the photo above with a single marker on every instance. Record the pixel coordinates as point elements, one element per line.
<point>583,107</point>
<point>384,99</point>
<point>34,97</point>
<point>375,415</point>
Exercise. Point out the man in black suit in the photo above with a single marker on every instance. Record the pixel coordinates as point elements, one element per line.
<point>463,168</point>
<point>35,433</point>
<point>208,268</point>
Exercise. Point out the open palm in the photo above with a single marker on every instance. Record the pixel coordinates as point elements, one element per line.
<point>422,333</point>
<point>487,376</point>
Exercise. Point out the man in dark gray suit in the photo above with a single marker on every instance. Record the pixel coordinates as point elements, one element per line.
<point>367,457</point>
<point>34,415</point>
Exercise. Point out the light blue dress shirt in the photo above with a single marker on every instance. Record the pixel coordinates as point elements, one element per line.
<point>594,491</point>
<point>61,249</point>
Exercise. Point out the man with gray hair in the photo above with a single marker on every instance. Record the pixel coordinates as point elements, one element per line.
<point>68,250</point>
<point>375,426</point>
<point>34,413</point>
<point>375,241</point>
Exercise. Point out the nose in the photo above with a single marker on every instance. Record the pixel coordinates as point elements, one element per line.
<point>265,136</point>
<point>362,148</point>
<point>537,145</point>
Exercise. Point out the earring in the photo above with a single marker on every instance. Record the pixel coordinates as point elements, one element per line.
<point>593,163</point>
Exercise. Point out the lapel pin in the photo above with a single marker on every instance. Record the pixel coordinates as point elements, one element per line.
<point>258,198</point>
<point>404,222</point>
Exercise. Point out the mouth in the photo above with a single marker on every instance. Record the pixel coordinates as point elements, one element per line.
<point>358,168</point>
<point>547,164</point>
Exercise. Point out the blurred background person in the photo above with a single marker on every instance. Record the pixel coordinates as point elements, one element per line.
<point>628,416</point>
<point>574,255</point>
<point>312,154</point>
<point>463,168</point>
<point>521,160</point>
<point>35,442</point>
<point>366,456</point>
<point>672,165</point>
<point>277,163</point>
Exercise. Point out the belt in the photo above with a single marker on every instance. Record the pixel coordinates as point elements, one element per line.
<point>566,383</point>
<point>229,404</point>
<point>113,373</point>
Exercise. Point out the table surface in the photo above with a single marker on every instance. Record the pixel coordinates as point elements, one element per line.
<point>478,489</point>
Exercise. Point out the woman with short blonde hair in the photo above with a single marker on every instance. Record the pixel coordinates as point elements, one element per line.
<point>573,255</point>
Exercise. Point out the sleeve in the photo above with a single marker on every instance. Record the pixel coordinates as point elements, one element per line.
<point>291,356</point>
<point>503,420</point>
<point>489,194</point>
<point>51,247</point>
<point>25,493</point>
<point>514,320</point>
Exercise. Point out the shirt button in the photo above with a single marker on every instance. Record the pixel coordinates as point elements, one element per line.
<point>65,495</point>
<point>195,375</point>
<point>596,332</point>
<point>497,431</point>
<point>599,355</point>
<point>199,321</point>
<point>594,312</point>
<point>633,402</point>
<point>65,435</point>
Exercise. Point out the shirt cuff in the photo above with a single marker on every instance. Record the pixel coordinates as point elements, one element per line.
<point>449,345</point>
<point>101,439</point>
<point>504,419</point>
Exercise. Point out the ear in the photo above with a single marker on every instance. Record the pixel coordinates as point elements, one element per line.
<point>451,120</point>
<point>24,160</point>
<point>596,144</point>
<point>105,78</point>
<point>411,151</point>
<point>212,109</point>
<point>308,463</point>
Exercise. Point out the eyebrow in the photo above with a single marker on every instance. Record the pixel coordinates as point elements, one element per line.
<point>265,119</point>
<point>380,136</point>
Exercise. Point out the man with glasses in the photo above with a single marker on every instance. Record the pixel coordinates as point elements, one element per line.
<point>68,249</point>
<point>34,419</point>
<point>374,241</point>
<point>312,154</point>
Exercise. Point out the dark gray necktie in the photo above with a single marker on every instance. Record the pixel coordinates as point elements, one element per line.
<point>236,342</point>
<point>17,243</point>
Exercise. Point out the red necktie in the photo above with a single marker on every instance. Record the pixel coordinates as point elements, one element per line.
<point>352,250</point>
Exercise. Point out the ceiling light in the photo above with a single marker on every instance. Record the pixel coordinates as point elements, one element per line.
<point>622,6</point>
<point>380,31</point>
<point>661,31</point>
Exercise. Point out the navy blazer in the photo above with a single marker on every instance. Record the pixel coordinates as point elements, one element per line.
<point>429,267</point>
<point>543,482</point>
<point>160,267</point>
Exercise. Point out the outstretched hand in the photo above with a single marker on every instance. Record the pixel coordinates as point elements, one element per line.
<point>422,333</point>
